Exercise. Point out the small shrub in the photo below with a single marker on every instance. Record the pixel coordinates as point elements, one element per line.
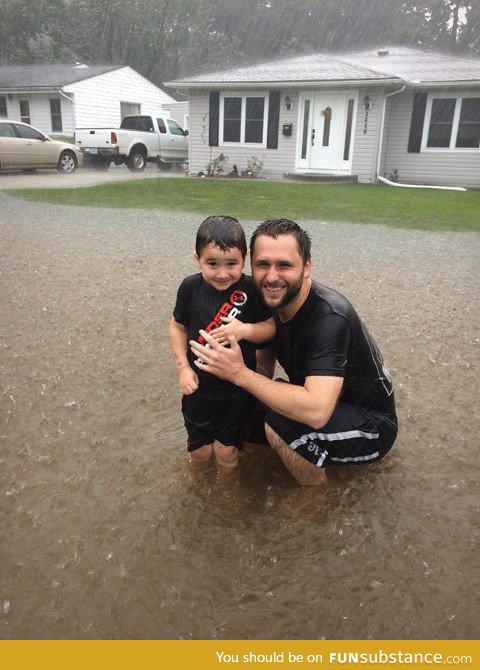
<point>216,165</point>
<point>254,166</point>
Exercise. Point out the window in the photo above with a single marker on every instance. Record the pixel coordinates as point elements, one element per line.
<point>129,109</point>
<point>441,122</point>
<point>161,126</point>
<point>468,135</point>
<point>28,133</point>
<point>348,130</point>
<point>306,120</point>
<point>243,119</point>
<point>56,115</point>
<point>25,111</point>
<point>3,105</point>
<point>452,122</point>
<point>6,130</point>
<point>175,128</point>
<point>143,124</point>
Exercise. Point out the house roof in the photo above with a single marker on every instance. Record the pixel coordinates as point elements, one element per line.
<point>384,66</point>
<point>48,75</point>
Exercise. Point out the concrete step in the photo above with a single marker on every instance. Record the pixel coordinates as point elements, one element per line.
<point>321,178</point>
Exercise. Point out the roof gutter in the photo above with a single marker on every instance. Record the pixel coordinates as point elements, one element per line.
<point>276,84</point>
<point>31,89</point>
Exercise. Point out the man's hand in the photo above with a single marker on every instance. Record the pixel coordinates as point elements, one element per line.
<point>217,359</point>
<point>188,380</point>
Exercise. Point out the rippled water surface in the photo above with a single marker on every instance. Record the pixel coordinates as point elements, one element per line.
<point>106,531</point>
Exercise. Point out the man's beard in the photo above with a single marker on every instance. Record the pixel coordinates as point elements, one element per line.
<point>291,293</point>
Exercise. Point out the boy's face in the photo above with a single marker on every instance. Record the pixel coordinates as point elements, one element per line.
<point>221,269</point>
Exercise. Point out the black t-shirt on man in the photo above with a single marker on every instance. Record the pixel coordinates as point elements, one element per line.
<point>327,337</point>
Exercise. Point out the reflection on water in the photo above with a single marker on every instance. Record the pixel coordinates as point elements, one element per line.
<point>106,531</point>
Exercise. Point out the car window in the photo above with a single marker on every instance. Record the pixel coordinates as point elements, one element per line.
<point>161,126</point>
<point>174,127</point>
<point>142,123</point>
<point>28,133</point>
<point>6,130</point>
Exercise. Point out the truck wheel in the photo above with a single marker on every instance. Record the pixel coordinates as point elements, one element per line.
<point>99,163</point>
<point>67,162</point>
<point>164,166</point>
<point>137,160</point>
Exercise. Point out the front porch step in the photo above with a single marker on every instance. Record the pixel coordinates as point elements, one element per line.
<point>322,178</point>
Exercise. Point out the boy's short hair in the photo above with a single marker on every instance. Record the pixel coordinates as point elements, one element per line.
<point>275,227</point>
<point>223,231</point>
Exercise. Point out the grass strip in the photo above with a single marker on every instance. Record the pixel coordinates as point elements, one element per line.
<point>258,199</point>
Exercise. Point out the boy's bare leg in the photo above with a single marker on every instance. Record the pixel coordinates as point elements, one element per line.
<point>202,454</point>
<point>227,457</point>
<point>304,472</point>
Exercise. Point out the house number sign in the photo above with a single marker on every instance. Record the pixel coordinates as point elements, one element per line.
<point>365,122</point>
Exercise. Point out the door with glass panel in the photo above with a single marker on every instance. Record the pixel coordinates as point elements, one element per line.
<point>327,136</point>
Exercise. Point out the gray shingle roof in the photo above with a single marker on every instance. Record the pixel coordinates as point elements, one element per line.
<point>400,64</point>
<point>48,75</point>
<point>418,66</point>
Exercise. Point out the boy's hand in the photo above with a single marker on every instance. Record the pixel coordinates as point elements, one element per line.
<point>230,325</point>
<point>188,380</point>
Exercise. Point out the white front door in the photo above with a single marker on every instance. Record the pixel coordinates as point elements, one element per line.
<point>327,132</point>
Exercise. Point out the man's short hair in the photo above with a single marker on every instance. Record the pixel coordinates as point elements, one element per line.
<point>275,227</point>
<point>223,231</point>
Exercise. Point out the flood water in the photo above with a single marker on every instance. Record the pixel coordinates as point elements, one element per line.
<point>107,532</point>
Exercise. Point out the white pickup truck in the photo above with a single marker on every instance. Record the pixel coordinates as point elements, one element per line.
<point>140,139</point>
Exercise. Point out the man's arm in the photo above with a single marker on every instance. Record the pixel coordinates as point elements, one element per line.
<point>266,362</point>
<point>312,404</point>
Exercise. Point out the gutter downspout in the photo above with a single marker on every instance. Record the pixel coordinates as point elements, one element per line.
<point>382,125</point>
<point>72,101</point>
<point>379,159</point>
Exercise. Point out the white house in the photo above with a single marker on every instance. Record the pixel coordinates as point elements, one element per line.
<point>59,98</point>
<point>403,113</point>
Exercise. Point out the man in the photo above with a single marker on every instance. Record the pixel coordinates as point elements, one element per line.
<point>339,405</point>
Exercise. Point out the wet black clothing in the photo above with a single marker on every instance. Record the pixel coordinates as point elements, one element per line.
<point>199,305</point>
<point>327,337</point>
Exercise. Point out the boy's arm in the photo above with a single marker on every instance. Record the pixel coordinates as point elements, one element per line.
<point>263,331</point>
<point>178,343</point>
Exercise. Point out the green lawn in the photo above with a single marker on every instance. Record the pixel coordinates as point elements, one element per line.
<point>260,199</point>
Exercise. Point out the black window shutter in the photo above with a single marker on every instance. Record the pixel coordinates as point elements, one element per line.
<point>416,122</point>
<point>273,116</point>
<point>213,118</point>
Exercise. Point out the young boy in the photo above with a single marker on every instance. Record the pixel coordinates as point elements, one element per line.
<point>216,412</point>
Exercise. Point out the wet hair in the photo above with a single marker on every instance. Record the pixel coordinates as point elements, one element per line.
<point>275,227</point>
<point>223,231</point>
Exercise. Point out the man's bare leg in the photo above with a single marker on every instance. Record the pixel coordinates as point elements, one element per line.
<point>304,472</point>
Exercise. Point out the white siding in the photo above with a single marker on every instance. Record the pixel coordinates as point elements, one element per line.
<point>282,160</point>
<point>178,111</point>
<point>366,137</point>
<point>40,111</point>
<point>97,100</point>
<point>442,168</point>
<point>275,161</point>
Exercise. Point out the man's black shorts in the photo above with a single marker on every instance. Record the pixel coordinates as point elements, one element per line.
<point>226,421</point>
<point>353,435</point>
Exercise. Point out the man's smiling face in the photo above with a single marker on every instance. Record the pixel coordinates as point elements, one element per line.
<point>278,270</point>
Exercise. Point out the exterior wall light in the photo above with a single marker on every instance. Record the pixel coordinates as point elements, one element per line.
<point>366,102</point>
<point>288,103</point>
